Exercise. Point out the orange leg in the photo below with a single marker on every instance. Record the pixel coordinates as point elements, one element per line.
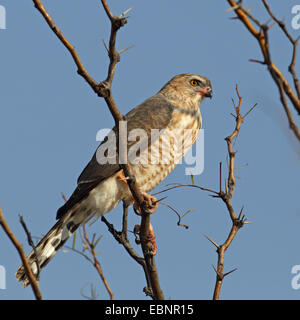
<point>151,202</point>
<point>122,177</point>
<point>151,238</point>
<point>152,205</point>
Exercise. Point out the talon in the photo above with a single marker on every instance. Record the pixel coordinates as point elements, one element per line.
<point>151,204</point>
<point>137,209</point>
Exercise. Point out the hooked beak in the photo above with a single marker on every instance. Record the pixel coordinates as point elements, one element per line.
<point>206,92</point>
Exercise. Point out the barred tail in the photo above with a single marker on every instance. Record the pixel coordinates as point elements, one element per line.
<point>52,242</point>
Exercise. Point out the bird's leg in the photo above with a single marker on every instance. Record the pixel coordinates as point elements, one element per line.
<point>150,237</point>
<point>151,204</point>
<point>122,177</point>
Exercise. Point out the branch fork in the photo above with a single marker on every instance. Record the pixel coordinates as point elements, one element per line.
<point>286,92</point>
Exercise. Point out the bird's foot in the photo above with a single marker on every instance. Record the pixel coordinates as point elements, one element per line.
<point>150,202</point>
<point>150,238</point>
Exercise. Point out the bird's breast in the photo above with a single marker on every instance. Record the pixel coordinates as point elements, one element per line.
<point>155,162</point>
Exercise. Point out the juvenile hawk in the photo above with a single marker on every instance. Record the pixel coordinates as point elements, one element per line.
<point>100,189</point>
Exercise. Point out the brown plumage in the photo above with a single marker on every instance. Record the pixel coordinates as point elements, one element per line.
<point>174,108</point>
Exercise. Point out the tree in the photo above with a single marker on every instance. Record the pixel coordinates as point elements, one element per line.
<point>103,89</point>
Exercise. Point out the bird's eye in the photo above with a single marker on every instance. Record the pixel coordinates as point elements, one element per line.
<point>194,82</point>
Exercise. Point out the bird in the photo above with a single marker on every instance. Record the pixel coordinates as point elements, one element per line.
<point>102,185</point>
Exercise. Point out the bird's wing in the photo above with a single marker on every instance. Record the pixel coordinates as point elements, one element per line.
<point>154,113</point>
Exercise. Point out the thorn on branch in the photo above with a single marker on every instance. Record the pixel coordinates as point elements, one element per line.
<point>246,114</point>
<point>239,217</point>
<point>257,61</point>
<point>214,243</point>
<point>125,12</point>
<point>237,6</point>
<point>220,275</point>
<point>227,273</point>
<point>126,49</point>
<point>105,46</point>
<point>116,22</point>
<point>240,220</point>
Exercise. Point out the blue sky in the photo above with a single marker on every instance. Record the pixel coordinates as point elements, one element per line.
<point>50,118</point>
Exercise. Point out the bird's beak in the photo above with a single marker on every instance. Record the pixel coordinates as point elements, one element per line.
<point>208,93</point>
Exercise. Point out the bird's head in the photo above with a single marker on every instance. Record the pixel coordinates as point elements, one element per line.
<point>188,86</point>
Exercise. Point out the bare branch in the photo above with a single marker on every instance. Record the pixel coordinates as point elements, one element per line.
<point>237,222</point>
<point>81,70</point>
<point>119,236</point>
<point>179,185</point>
<point>30,242</point>
<point>32,280</point>
<point>261,36</point>
<point>103,89</point>
<point>96,263</point>
<point>178,215</point>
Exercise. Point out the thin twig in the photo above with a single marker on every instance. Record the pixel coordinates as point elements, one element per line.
<point>126,244</point>
<point>93,296</point>
<point>237,222</point>
<point>261,36</point>
<point>294,43</point>
<point>178,215</point>
<point>32,280</point>
<point>30,242</point>
<point>80,68</point>
<point>96,263</point>
<point>179,185</point>
<point>125,221</point>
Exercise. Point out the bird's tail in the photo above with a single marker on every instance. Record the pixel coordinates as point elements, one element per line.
<point>52,242</point>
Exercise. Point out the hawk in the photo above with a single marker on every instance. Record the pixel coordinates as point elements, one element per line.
<point>100,187</point>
